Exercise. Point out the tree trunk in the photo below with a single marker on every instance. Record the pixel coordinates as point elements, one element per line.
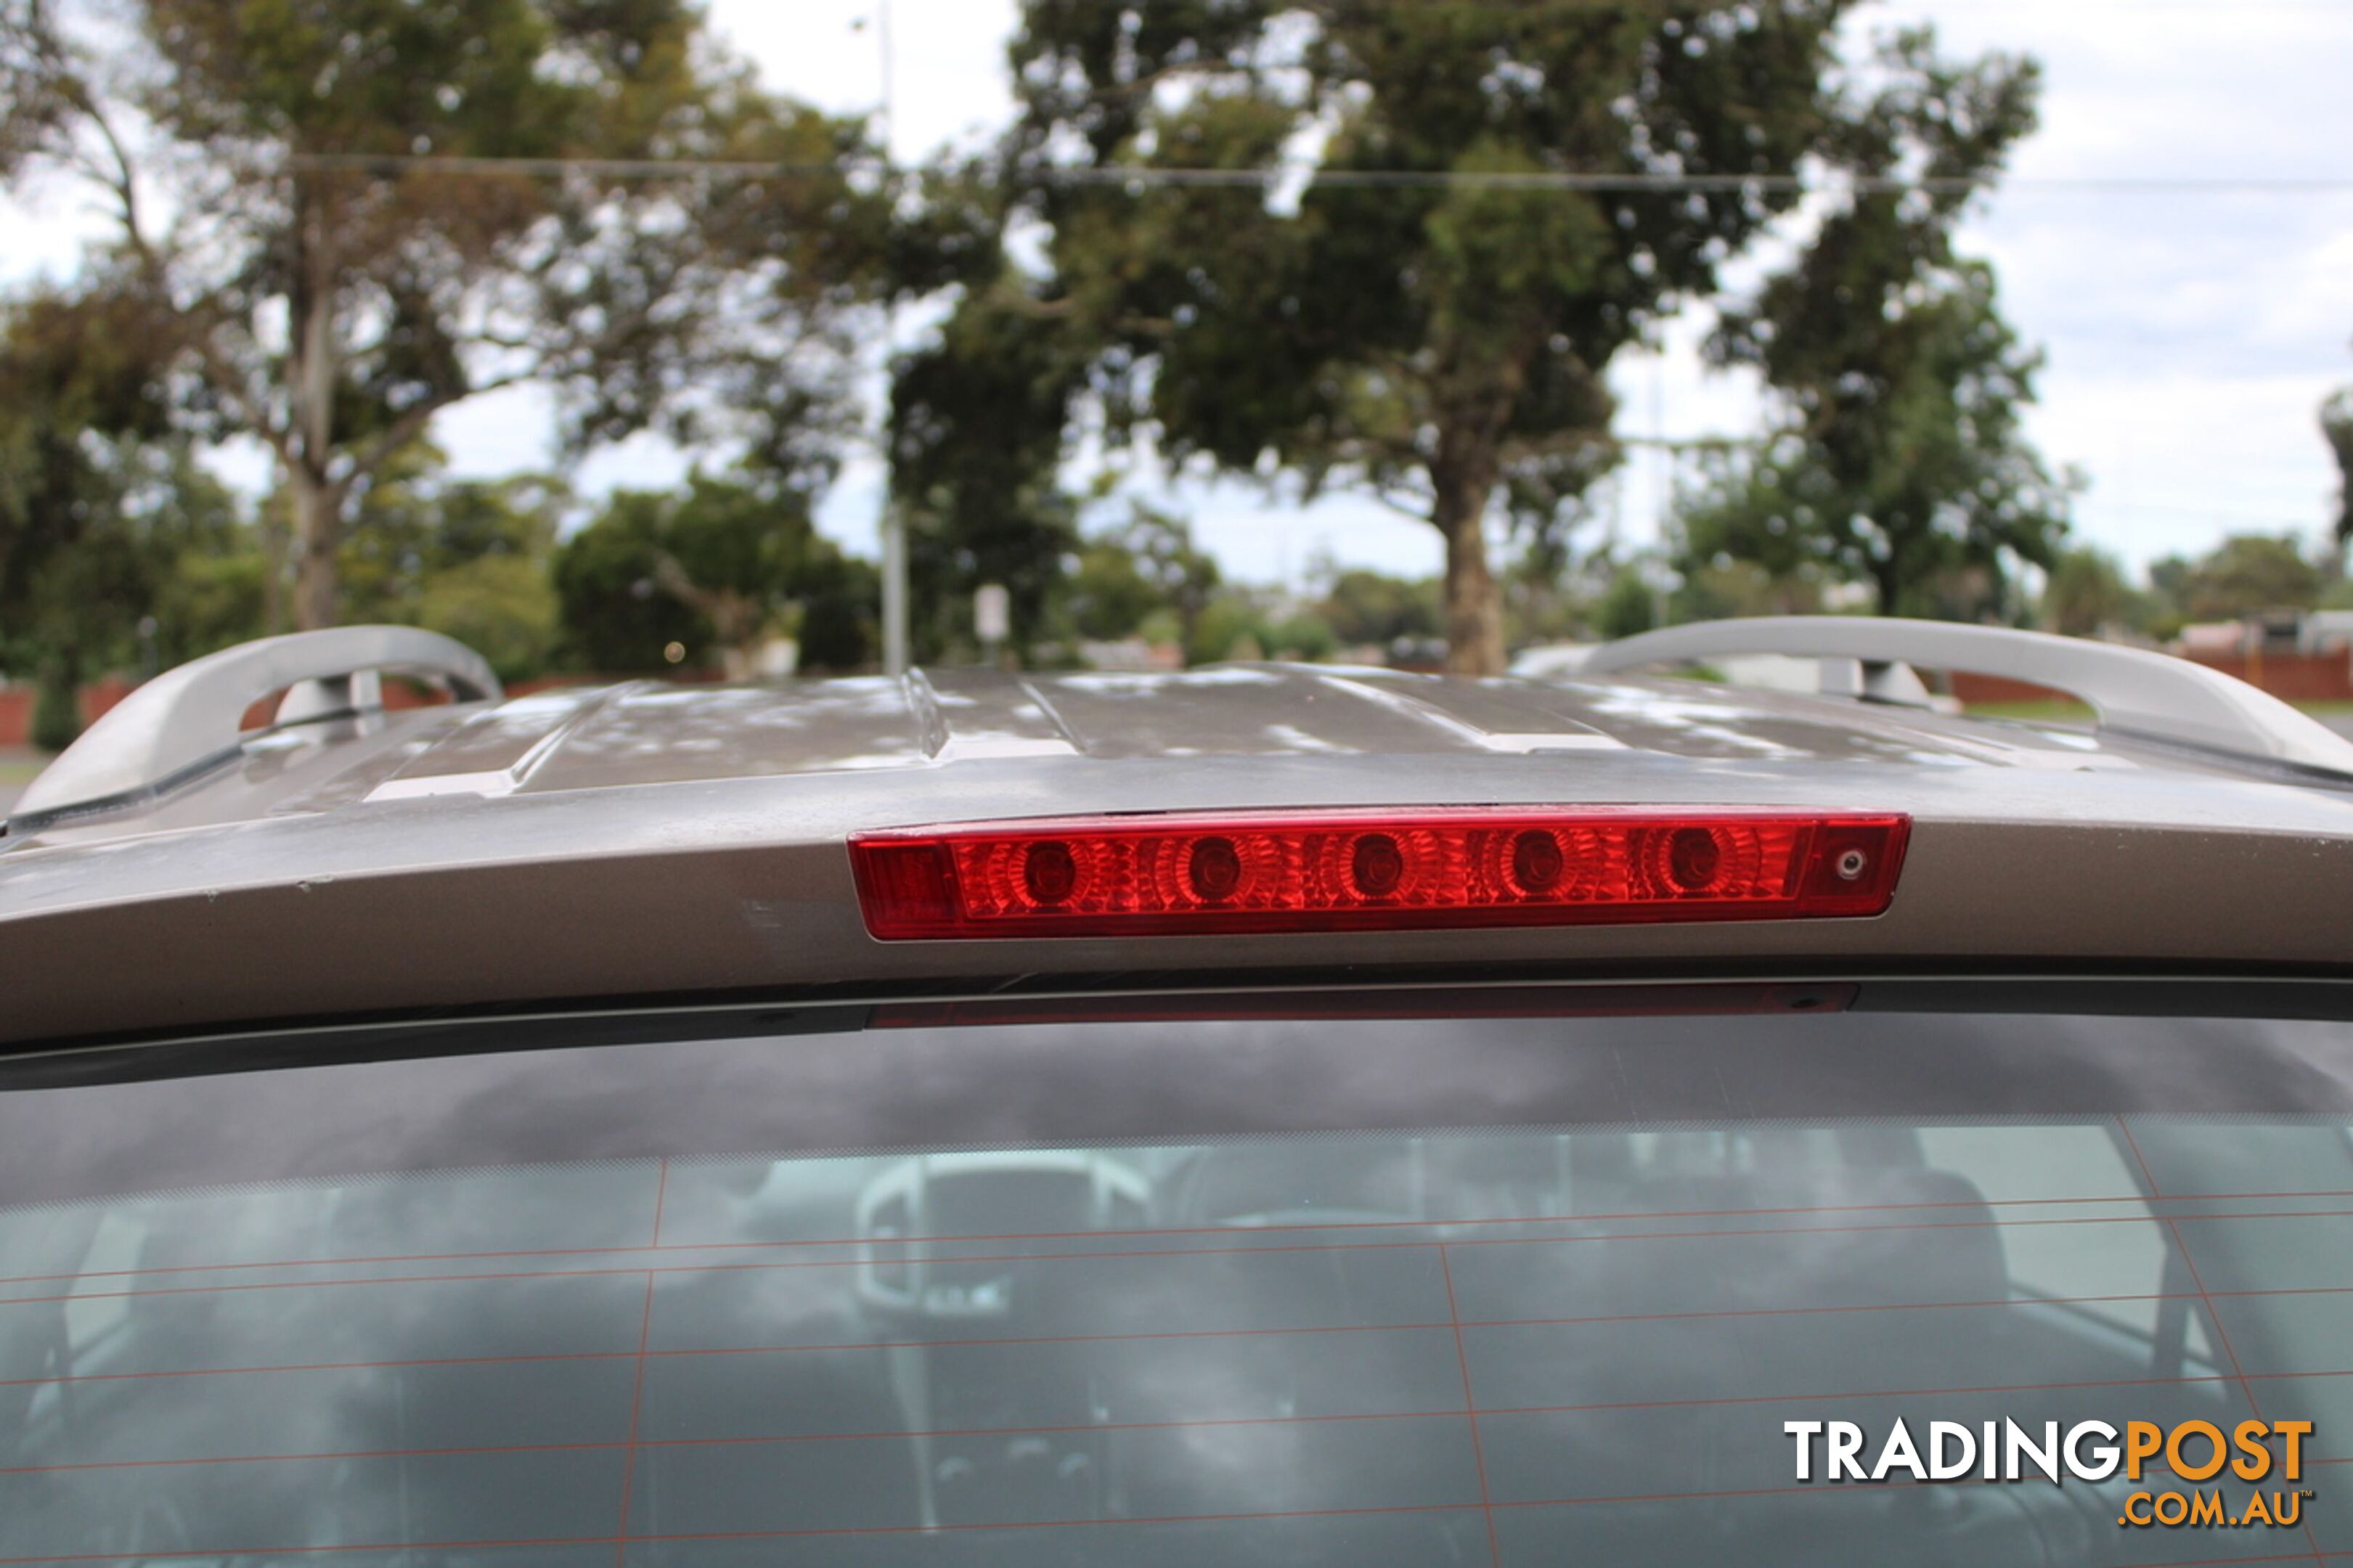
<point>1475,607</point>
<point>317,499</point>
<point>1888,577</point>
<point>315,542</point>
<point>274,552</point>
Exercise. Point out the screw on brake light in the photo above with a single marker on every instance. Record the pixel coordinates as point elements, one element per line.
<point>1373,870</point>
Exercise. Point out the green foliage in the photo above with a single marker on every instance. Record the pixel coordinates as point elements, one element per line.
<point>105,517</point>
<point>1719,590</point>
<point>1443,344</point>
<point>2087,593</point>
<point>976,425</point>
<point>57,708</point>
<point>76,401</point>
<point>212,598</point>
<point>841,600</point>
<point>1907,467</point>
<point>2247,573</point>
<point>712,306</point>
<point>1902,460</point>
<point>616,619</point>
<point>1239,623</point>
<point>501,606</point>
<point>2336,426</point>
<point>1184,576</point>
<point>1628,608</point>
<point>1369,608</point>
<point>1108,596</point>
<point>719,568</point>
<point>469,558</point>
<point>1306,636</point>
<point>1144,575</point>
<point>1232,625</point>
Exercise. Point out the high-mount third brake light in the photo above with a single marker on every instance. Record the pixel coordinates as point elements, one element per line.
<point>1182,875</point>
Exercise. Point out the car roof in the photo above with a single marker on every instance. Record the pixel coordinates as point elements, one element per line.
<point>650,734</point>
<point>874,752</point>
<point>651,840</point>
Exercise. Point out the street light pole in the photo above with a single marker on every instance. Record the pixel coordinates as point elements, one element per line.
<point>894,522</point>
<point>894,587</point>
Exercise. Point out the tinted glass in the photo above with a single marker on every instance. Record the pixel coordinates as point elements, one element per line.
<point>1468,1290</point>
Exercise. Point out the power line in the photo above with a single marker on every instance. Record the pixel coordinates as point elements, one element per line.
<point>397,165</point>
<point>1519,10</point>
<point>1958,7</point>
<point>1552,180</point>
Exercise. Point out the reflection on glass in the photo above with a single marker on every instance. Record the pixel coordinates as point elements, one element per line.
<point>1386,1347</point>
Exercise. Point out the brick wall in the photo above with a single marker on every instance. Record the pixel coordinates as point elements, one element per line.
<point>1976,691</point>
<point>2294,677</point>
<point>102,694</point>
<point>18,701</point>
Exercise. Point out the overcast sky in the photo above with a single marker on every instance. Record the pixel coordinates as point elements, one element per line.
<point>2191,335</point>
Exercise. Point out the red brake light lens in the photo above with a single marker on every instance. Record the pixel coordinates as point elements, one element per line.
<point>1433,870</point>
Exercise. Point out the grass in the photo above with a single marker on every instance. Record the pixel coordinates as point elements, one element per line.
<point>2034,713</point>
<point>2077,713</point>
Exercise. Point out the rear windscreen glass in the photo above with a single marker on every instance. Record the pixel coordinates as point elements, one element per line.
<point>1457,1290</point>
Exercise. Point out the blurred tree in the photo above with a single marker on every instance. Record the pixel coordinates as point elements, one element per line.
<point>717,568</point>
<point>1721,589</point>
<point>617,620</point>
<point>1364,608</point>
<point>976,443</point>
<point>150,529</point>
<point>502,606</point>
<point>1787,573</point>
<point>1903,462</point>
<point>216,595</point>
<point>1305,636</point>
<point>2336,425</point>
<point>427,549</point>
<point>1144,572</point>
<point>321,272</point>
<point>1108,595</point>
<point>56,709</point>
<point>1186,575</point>
<point>2087,593</point>
<point>1629,606</point>
<point>2245,575</point>
<point>104,514</point>
<point>2167,577</point>
<point>1234,624</point>
<point>1238,622</point>
<point>1441,341</point>
<point>78,387</point>
<point>840,599</point>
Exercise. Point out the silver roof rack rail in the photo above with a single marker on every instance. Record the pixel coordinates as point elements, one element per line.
<point>184,723</point>
<point>2134,691</point>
